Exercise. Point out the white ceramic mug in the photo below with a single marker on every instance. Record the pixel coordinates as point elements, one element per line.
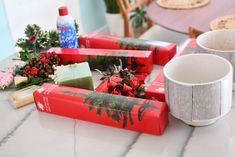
<point>198,88</point>
<point>221,43</point>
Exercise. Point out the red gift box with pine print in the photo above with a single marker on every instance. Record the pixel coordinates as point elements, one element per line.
<point>162,51</point>
<point>118,111</point>
<point>138,60</point>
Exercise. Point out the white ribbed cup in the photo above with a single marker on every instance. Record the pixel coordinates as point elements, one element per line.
<point>219,42</point>
<point>198,88</point>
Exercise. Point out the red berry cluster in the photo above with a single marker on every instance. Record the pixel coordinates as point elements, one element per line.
<point>50,58</point>
<point>33,71</point>
<point>32,37</point>
<point>43,66</point>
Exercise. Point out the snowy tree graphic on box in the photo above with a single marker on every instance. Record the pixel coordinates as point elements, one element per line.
<point>67,36</point>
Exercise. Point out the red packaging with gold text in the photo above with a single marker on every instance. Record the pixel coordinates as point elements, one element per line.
<point>118,111</point>
<point>102,59</point>
<point>162,51</point>
<point>156,89</point>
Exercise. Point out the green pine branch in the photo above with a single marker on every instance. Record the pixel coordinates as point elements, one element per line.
<point>115,107</point>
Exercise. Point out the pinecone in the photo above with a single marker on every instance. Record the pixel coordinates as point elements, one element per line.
<point>45,70</point>
<point>54,59</point>
<point>43,66</point>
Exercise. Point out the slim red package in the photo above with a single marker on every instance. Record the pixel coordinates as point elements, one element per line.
<point>162,51</point>
<point>156,89</point>
<point>102,59</point>
<point>118,111</point>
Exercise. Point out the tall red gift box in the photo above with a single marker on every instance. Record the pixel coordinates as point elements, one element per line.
<point>118,111</point>
<point>162,51</point>
<point>140,61</point>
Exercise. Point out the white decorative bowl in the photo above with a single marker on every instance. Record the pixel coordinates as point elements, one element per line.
<point>198,88</point>
<point>221,43</point>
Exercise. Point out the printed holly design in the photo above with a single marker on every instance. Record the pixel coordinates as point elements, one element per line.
<point>116,107</point>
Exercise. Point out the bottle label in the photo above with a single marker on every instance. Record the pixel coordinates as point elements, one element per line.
<point>67,35</point>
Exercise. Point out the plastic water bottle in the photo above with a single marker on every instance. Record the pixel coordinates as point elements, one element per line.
<point>66,29</point>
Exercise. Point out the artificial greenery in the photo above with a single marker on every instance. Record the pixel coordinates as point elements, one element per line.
<point>37,40</point>
<point>138,17</point>
<point>30,81</point>
<point>111,6</point>
<point>118,108</point>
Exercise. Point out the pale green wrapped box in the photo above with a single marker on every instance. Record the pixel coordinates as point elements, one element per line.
<point>74,75</point>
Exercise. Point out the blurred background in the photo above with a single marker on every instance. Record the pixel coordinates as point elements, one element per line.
<point>16,14</point>
<point>103,16</point>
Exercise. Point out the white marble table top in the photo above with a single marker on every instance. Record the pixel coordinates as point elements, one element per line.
<point>25,132</point>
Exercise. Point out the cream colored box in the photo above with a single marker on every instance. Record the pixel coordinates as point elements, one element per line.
<point>23,97</point>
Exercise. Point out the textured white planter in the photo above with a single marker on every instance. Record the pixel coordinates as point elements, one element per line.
<point>115,24</point>
<point>198,88</point>
<point>221,43</point>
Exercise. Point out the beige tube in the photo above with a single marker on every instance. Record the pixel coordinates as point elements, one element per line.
<point>22,97</point>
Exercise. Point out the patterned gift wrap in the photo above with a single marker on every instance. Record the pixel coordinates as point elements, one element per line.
<point>162,51</point>
<point>102,59</point>
<point>118,111</point>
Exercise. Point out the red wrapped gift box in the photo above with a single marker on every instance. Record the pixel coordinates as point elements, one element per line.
<point>156,89</point>
<point>162,51</point>
<point>141,61</point>
<point>123,112</point>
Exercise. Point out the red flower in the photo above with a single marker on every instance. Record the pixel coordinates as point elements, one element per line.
<point>27,68</point>
<point>34,71</point>
<point>32,37</point>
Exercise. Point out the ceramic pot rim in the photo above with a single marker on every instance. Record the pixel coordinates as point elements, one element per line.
<point>199,44</point>
<point>197,84</point>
